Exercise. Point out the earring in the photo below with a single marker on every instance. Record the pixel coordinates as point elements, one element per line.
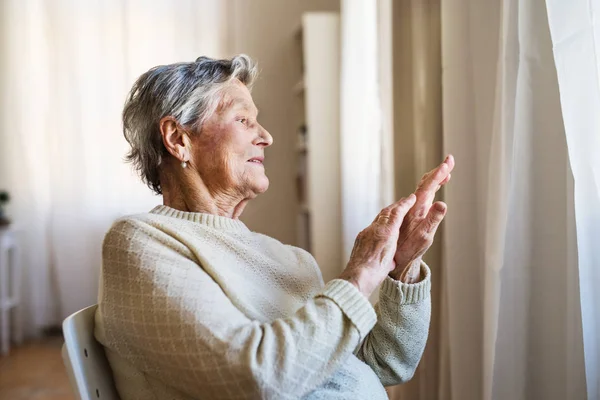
<point>183,164</point>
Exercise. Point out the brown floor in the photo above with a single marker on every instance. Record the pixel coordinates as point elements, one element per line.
<point>35,371</point>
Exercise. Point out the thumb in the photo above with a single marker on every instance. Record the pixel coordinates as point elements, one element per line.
<point>436,214</point>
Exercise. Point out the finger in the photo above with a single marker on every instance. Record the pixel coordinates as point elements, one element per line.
<point>435,216</point>
<point>388,222</point>
<point>386,212</point>
<point>445,181</point>
<point>432,180</point>
<point>384,215</point>
<point>400,210</point>
<point>426,190</point>
<point>394,212</point>
<point>450,161</point>
<point>429,186</point>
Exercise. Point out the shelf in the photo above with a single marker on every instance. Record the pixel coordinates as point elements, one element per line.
<point>301,139</point>
<point>316,141</point>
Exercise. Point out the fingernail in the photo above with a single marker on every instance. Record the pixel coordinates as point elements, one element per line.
<point>439,207</point>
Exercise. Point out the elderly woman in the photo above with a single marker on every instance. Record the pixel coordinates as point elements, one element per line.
<point>194,305</point>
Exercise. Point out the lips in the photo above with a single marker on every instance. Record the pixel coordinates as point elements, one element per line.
<point>257,160</point>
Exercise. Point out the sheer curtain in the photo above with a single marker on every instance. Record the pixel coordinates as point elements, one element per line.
<point>575,39</point>
<point>518,250</point>
<point>66,66</point>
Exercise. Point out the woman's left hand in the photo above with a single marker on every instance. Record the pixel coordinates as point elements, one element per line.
<point>420,224</point>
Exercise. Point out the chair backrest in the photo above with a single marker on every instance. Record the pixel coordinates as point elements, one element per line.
<point>84,358</point>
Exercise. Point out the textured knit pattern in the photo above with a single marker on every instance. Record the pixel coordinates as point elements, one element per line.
<point>196,306</point>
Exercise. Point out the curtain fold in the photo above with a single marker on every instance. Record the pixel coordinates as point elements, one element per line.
<point>67,66</point>
<point>513,326</point>
<point>576,46</point>
<point>417,149</point>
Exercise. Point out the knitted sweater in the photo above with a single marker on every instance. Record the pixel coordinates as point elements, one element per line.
<point>197,306</point>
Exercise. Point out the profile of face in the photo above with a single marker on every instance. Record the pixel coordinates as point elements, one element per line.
<point>229,152</point>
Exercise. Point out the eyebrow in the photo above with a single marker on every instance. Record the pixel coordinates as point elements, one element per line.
<point>245,104</point>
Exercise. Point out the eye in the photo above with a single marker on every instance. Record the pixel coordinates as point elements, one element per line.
<point>243,120</point>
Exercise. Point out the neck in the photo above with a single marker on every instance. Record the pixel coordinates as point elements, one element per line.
<point>189,193</point>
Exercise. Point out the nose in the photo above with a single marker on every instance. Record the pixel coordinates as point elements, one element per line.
<point>265,138</point>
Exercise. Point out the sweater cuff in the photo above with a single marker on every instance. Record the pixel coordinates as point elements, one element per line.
<point>353,303</point>
<point>407,293</point>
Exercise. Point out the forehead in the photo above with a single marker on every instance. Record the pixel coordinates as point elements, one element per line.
<point>236,96</point>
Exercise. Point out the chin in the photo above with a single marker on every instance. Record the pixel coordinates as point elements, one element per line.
<point>260,185</point>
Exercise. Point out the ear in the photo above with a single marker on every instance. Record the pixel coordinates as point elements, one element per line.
<point>175,139</point>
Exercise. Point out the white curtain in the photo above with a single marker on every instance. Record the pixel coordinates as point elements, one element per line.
<point>66,67</point>
<point>361,121</point>
<point>575,38</point>
<point>519,235</point>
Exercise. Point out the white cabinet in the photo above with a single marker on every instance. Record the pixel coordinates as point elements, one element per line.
<point>318,149</point>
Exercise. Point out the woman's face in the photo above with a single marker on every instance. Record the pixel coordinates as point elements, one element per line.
<point>230,149</point>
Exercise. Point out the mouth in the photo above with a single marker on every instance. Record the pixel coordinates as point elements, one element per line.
<point>257,160</point>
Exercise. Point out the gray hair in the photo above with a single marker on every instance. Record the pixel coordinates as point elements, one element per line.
<point>187,91</point>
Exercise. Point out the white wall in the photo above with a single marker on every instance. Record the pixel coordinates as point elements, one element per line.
<point>264,29</point>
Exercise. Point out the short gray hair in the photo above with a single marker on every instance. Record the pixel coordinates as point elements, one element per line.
<point>187,91</point>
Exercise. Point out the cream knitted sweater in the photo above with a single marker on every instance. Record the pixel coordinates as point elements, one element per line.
<point>197,306</point>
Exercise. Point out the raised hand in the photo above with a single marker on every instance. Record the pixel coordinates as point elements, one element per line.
<point>372,257</point>
<point>421,222</point>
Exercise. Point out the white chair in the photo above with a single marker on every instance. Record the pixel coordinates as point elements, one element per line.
<point>89,372</point>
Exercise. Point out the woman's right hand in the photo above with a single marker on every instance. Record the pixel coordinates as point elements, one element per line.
<point>372,257</point>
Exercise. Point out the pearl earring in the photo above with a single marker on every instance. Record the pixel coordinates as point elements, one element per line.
<point>183,164</point>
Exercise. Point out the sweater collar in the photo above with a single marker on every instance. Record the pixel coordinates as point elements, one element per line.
<point>214,221</point>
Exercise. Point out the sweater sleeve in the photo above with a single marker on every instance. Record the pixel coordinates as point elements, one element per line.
<point>173,322</point>
<point>394,347</point>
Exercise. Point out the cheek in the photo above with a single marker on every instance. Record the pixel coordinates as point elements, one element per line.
<point>223,164</point>
<point>222,156</point>
<point>229,140</point>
